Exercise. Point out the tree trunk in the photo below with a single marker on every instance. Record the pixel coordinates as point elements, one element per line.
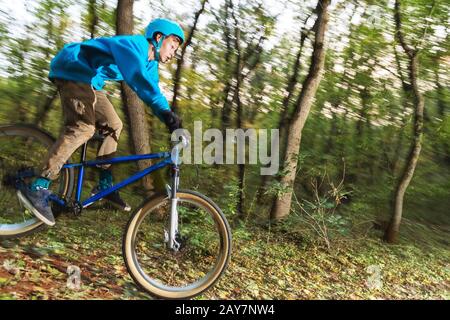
<point>441,104</point>
<point>93,17</point>
<point>444,148</point>
<point>180,62</point>
<point>132,105</point>
<point>227,102</point>
<point>237,99</point>
<point>282,204</point>
<point>398,147</point>
<point>290,89</point>
<point>285,114</point>
<point>241,174</point>
<point>45,109</point>
<point>414,94</point>
<point>407,104</point>
<point>249,60</point>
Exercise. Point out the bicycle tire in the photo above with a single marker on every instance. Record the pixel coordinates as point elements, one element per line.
<point>129,254</point>
<point>66,186</point>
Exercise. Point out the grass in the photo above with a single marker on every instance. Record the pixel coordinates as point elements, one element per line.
<point>266,264</point>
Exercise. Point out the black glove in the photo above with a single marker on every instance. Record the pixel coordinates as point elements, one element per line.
<point>172,121</point>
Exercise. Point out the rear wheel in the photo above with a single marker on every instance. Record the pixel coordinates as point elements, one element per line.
<point>22,150</point>
<point>205,246</point>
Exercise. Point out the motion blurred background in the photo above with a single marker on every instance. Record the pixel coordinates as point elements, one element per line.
<point>245,66</point>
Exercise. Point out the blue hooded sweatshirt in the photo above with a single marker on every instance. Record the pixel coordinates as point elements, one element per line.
<point>115,58</point>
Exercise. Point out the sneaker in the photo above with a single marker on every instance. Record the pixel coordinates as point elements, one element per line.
<point>114,199</point>
<point>37,201</point>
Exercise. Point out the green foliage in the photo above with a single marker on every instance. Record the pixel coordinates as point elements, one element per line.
<point>277,189</point>
<point>359,130</point>
<point>231,192</point>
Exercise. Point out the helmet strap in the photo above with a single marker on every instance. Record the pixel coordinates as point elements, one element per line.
<point>157,45</point>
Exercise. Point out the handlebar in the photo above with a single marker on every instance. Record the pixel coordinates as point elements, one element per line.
<point>184,141</point>
<point>177,146</point>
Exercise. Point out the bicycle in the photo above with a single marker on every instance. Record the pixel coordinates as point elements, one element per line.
<point>175,245</point>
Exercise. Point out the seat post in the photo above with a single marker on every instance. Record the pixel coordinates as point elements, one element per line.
<point>81,172</point>
<point>83,152</point>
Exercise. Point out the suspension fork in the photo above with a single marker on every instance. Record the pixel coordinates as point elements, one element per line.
<point>173,220</point>
<point>173,223</point>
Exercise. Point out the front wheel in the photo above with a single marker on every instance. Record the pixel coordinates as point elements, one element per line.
<point>205,246</point>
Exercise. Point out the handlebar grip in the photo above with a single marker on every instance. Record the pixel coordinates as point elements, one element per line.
<point>184,141</point>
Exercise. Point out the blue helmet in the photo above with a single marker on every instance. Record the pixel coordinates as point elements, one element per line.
<point>166,27</point>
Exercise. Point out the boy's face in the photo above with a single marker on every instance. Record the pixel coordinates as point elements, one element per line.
<point>168,48</point>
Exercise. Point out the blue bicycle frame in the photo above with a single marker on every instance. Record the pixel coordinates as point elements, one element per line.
<point>167,160</point>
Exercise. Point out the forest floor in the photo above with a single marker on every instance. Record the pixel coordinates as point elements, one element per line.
<point>268,265</point>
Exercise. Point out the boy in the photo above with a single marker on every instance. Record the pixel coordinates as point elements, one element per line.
<point>79,71</point>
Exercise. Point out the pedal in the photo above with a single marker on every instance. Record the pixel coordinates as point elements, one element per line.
<point>75,208</point>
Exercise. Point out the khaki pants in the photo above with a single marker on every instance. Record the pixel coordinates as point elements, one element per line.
<point>84,110</point>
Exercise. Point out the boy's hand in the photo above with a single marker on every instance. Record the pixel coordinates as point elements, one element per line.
<point>172,121</point>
